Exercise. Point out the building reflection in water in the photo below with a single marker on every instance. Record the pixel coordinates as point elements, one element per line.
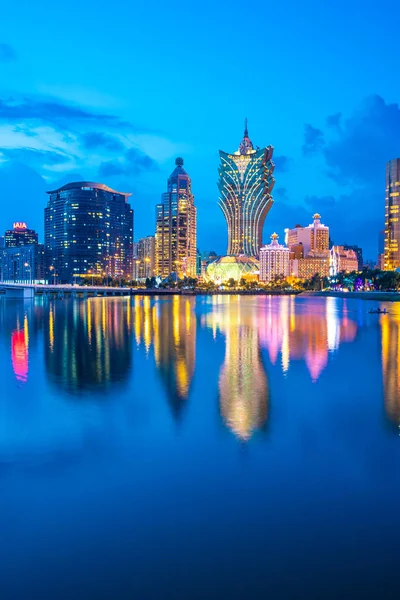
<point>20,349</point>
<point>170,325</point>
<point>308,336</point>
<point>390,340</point>
<point>243,384</point>
<point>88,343</point>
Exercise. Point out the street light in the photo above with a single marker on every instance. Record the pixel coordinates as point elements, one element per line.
<point>51,268</point>
<point>26,265</point>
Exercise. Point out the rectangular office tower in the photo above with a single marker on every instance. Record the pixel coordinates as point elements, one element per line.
<point>392,223</point>
<point>88,231</point>
<point>176,229</point>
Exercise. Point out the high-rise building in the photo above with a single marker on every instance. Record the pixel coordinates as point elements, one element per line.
<point>145,257</point>
<point>20,235</point>
<point>314,237</point>
<point>342,259</point>
<point>274,260</point>
<point>245,185</point>
<point>392,223</point>
<point>176,227</point>
<point>310,249</point>
<point>88,230</point>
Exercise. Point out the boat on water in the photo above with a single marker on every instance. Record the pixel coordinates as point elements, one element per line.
<point>377,311</point>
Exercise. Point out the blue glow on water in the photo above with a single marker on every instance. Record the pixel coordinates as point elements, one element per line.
<point>209,447</point>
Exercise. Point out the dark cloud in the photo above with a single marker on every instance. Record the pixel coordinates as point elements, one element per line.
<point>313,140</point>
<point>52,111</point>
<point>282,163</point>
<point>94,139</point>
<point>280,193</point>
<point>319,203</point>
<point>33,157</point>
<point>7,53</point>
<point>133,163</point>
<point>334,121</point>
<point>365,142</point>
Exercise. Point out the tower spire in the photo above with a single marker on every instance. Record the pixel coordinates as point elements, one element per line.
<point>246,132</point>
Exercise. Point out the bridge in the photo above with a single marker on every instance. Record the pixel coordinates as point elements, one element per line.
<point>28,290</point>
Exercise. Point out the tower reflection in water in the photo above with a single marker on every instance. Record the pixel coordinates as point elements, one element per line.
<point>309,335</point>
<point>170,325</point>
<point>243,384</point>
<point>88,343</point>
<point>390,330</point>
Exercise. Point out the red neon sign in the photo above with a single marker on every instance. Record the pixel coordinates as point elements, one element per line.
<point>20,225</point>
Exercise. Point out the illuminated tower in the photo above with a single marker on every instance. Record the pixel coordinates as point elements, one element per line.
<point>392,223</point>
<point>176,230</point>
<point>245,185</point>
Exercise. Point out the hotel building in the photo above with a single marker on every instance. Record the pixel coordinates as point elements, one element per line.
<point>274,260</point>
<point>245,185</point>
<point>310,249</point>
<point>392,223</point>
<point>342,260</point>
<point>88,231</point>
<point>176,227</point>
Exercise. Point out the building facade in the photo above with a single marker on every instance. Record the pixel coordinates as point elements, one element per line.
<point>176,227</point>
<point>245,185</point>
<point>359,254</point>
<point>314,238</point>
<point>342,259</point>
<point>88,231</point>
<point>20,235</point>
<point>305,268</point>
<point>22,264</point>
<point>145,260</point>
<point>392,210</point>
<point>274,260</point>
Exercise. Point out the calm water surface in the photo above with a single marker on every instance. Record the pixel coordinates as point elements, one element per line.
<point>210,447</point>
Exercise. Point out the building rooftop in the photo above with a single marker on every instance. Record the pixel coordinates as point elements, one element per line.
<point>88,185</point>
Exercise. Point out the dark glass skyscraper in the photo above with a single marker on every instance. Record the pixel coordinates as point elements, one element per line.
<point>88,230</point>
<point>245,185</point>
<point>176,229</point>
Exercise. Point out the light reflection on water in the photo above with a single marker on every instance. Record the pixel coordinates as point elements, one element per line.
<point>88,345</point>
<point>239,437</point>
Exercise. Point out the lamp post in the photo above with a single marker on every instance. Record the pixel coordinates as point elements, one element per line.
<point>27,266</point>
<point>51,268</point>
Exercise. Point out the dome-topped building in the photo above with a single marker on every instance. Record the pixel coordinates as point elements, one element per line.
<point>233,267</point>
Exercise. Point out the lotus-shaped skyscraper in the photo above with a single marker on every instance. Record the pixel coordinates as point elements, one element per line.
<point>245,185</point>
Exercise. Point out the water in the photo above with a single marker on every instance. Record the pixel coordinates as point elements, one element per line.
<point>210,447</point>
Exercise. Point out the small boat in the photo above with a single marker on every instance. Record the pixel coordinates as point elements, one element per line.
<point>377,311</point>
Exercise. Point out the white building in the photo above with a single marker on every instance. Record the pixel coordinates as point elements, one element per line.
<point>274,260</point>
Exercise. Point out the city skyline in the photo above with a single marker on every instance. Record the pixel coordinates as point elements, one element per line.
<point>96,120</point>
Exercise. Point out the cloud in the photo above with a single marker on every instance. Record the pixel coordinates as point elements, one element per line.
<point>54,112</point>
<point>133,163</point>
<point>366,141</point>
<point>319,203</point>
<point>95,140</point>
<point>282,163</point>
<point>7,53</point>
<point>33,157</point>
<point>313,140</point>
<point>334,121</point>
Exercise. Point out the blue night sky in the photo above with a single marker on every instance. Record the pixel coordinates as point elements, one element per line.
<point>113,91</point>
